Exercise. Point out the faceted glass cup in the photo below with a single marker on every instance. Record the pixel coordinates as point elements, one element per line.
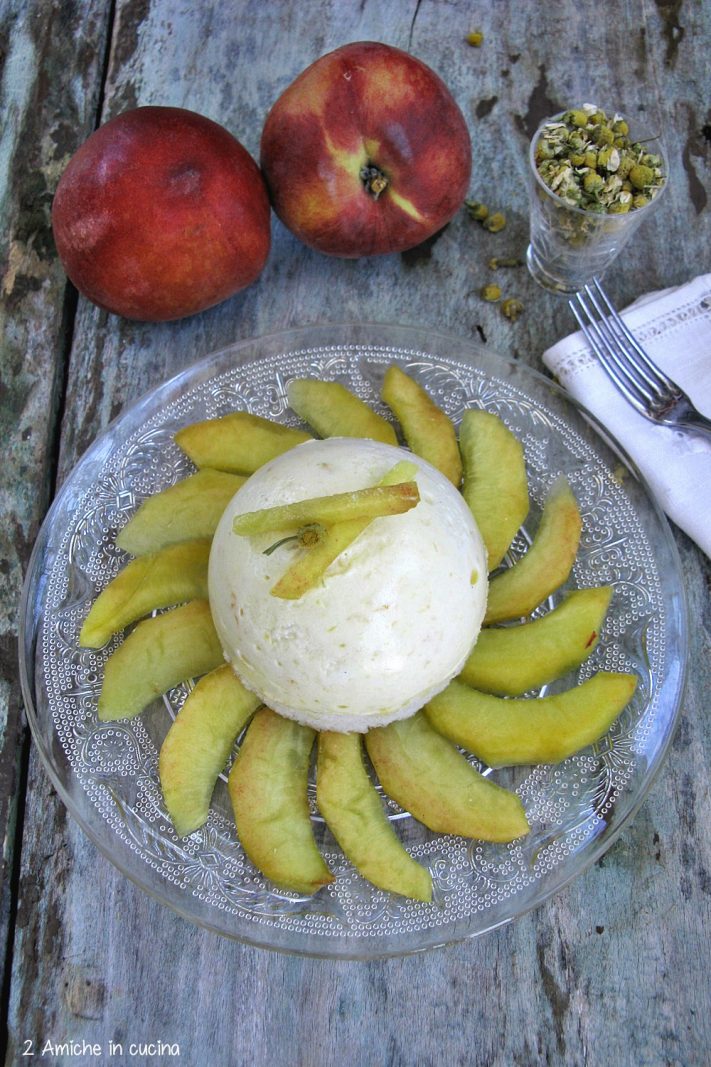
<point>569,245</point>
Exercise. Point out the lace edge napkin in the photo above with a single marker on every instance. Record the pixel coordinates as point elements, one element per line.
<point>674,325</point>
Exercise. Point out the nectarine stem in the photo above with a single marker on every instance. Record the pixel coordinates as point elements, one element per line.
<point>373,179</point>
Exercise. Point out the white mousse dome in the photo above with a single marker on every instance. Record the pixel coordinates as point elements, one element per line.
<point>393,619</point>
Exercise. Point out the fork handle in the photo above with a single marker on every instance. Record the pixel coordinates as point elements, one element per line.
<point>697,423</point>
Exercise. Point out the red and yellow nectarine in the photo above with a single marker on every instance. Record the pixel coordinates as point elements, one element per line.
<point>161,213</point>
<point>366,152</point>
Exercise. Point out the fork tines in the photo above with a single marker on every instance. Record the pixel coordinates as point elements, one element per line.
<point>644,385</point>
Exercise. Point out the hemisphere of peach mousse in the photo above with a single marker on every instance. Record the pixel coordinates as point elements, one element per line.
<point>392,621</point>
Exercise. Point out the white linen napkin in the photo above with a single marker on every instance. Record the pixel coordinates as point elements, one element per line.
<point>674,326</point>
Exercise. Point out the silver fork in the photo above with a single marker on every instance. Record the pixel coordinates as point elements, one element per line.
<point>651,392</point>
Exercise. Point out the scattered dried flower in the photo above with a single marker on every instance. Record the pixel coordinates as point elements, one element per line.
<point>491,292</point>
<point>476,211</point>
<point>494,223</point>
<point>512,308</point>
<point>504,261</point>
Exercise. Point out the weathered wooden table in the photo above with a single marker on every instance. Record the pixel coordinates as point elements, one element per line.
<point>615,969</point>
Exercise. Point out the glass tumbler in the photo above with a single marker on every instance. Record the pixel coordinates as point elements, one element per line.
<point>569,245</point>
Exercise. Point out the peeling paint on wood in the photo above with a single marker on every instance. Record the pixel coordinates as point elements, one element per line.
<point>45,117</point>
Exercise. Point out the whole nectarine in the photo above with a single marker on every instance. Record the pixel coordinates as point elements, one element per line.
<point>366,152</point>
<point>161,213</point>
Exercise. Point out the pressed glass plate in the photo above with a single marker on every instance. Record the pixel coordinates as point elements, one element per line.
<point>106,773</point>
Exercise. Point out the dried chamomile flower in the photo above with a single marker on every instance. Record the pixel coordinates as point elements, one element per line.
<point>475,38</point>
<point>641,176</point>
<point>512,308</point>
<point>491,292</point>
<point>308,536</point>
<point>504,261</point>
<point>476,211</point>
<point>589,161</point>
<point>494,223</point>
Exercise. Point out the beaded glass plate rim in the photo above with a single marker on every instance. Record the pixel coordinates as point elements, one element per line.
<point>384,353</point>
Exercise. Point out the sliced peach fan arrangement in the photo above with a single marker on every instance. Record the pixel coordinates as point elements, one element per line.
<point>354,595</point>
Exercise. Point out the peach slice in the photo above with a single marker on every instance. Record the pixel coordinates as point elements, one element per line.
<point>170,576</point>
<point>426,774</point>
<point>334,411</point>
<point>512,659</point>
<point>503,732</point>
<point>428,431</point>
<point>198,745</point>
<point>239,443</point>
<point>354,814</point>
<point>160,653</point>
<point>546,565</point>
<point>267,786</point>
<point>495,485</point>
<point>337,507</point>
<point>306,571</point>
<point>187,511</point>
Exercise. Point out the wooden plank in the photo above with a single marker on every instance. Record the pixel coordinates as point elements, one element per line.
<point>45,117</point>
<point>618,962</point>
